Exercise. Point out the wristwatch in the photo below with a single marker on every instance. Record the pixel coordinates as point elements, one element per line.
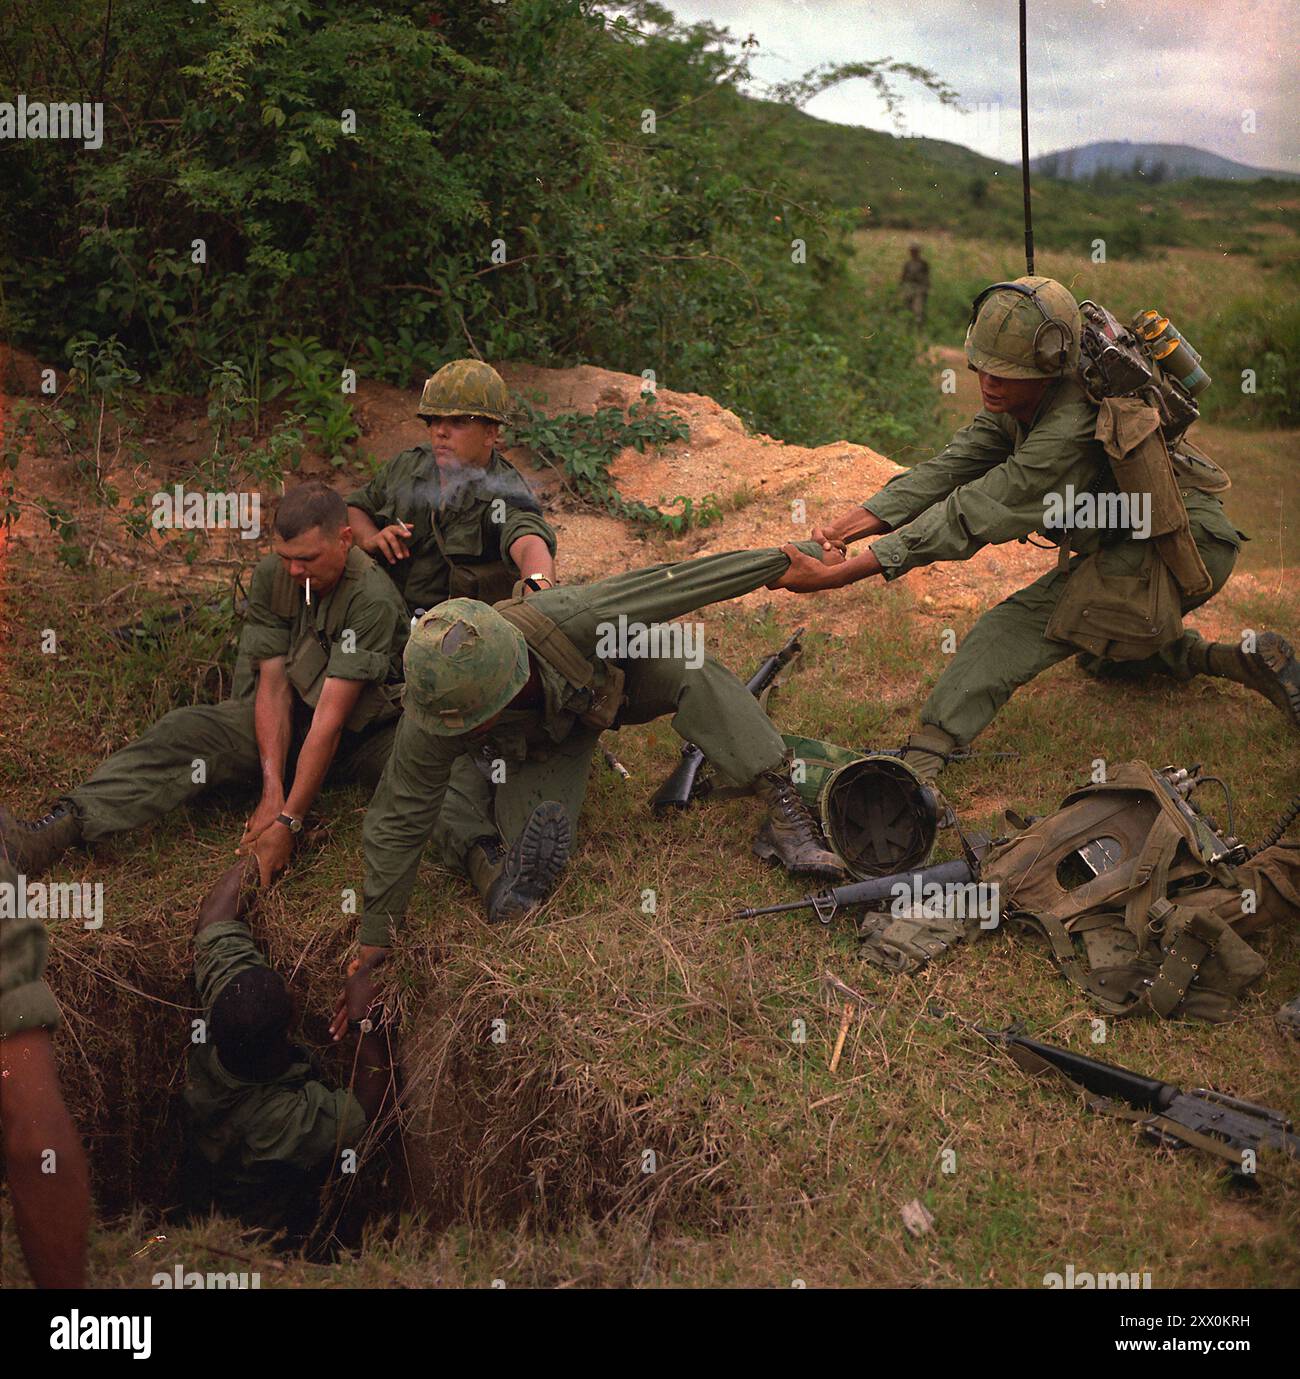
<point>374,1019</point>
<point>292,824</point>
<point>531,582</point>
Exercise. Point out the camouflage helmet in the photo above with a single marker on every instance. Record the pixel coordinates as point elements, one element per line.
<point>1025,329</point>
<point>464,664</point>
<point>465,388</point>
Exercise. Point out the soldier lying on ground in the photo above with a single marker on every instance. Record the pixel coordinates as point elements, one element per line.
<point>264,1131</point>
<point>318,678</point>
<point>996,481</point>
<point>45,1162</point>
<point>453,518</point>
<point>505,707</point>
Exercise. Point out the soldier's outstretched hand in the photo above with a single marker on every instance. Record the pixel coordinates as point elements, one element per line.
<point>806,574</point>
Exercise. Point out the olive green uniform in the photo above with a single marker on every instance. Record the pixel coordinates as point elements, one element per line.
<point>988,486</point>
<point>355,632</point>
<point>26,1002</point>
<point>263,1148</point>
<point>546,753</point>
<point>916,287</point>
<point>461,526</point>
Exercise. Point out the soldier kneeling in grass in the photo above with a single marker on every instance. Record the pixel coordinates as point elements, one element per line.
<point>504,708</point>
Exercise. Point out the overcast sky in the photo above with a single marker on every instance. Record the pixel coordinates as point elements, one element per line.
<point>1150,71</point>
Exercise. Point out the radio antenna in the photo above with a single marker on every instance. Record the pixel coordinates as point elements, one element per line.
<point>1024,144</point>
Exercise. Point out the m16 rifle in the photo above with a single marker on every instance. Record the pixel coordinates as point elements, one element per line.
<point>684,784</point>
<point>826,904</point>
<point>1226,1126</point>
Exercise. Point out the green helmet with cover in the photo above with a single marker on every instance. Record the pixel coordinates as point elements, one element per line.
<point>1024,329</point>
<point>464,663</point>
<point>465,388</point>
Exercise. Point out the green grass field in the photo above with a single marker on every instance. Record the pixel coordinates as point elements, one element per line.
<point>669,1032</point>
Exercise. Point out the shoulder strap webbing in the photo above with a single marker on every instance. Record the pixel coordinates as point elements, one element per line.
<point>546,639</point>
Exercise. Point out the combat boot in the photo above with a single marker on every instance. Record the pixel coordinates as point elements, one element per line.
<point>514,882</point>
<point>1271,669</point>
<point>790,834</point>
<point>32,847</point>
<point>927,753</point>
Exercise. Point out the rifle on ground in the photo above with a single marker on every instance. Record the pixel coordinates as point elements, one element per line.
<point>1232,1129</point>
<point>684,783</point>
<point>828,903</point>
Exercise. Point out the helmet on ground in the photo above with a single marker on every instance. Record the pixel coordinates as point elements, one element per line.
<point>465,388</point>
<point>1024,329</point>
<point>464,663</point>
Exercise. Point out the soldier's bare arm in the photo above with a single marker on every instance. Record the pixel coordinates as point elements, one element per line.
<point>338,698</point>
<point>849,526</point>
<point>272,723</point>
<point>231,898</point>
<point>532,556</point>
<point>51,1208</point>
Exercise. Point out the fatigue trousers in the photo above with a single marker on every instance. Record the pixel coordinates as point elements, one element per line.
<point>191,750</point>
<point>1006,648</point>
<point>710,707</point>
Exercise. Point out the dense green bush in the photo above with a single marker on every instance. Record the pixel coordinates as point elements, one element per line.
<point>498,186</point>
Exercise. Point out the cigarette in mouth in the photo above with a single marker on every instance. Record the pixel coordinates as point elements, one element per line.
<point>309,593</point>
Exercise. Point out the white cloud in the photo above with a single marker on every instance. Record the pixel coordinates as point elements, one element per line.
<point>1098,69</point>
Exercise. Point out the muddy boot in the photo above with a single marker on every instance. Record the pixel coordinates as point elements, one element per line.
<point>514,883</point>
<point>790,834</point>
<point>33,847</point>
<point>927,753</point>
<point>1271,669</point>
<point>1288,1018</point>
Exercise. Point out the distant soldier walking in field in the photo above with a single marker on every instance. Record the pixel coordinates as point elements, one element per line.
<point>454,518</point>
<point>916,284</point>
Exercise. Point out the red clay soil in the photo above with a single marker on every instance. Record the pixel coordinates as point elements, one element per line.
<point>770,491</point>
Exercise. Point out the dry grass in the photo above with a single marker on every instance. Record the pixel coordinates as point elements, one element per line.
<point>627,1032</point>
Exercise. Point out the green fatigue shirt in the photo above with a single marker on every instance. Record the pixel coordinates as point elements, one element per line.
<point>990,483</point>
<point>469,520</point>
<point>267,1146</point>
<point>406,804</point>
<point>26,1003</point>
<point>357,631</point>
<point>916,272</point>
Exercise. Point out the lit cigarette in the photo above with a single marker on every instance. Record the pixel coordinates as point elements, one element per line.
<point>309,593</point>
<point>406,527</point>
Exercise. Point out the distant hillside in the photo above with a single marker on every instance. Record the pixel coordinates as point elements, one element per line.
<point>884,181</point>
<point>1158,162</point>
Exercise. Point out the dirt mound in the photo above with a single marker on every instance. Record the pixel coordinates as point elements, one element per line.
<point>770,492</point>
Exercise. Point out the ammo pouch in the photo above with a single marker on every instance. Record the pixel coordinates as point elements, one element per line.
<point>1118,617</point>
<point>599,686</point>
<point>1158,926</point>
<point>1131,617</point>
